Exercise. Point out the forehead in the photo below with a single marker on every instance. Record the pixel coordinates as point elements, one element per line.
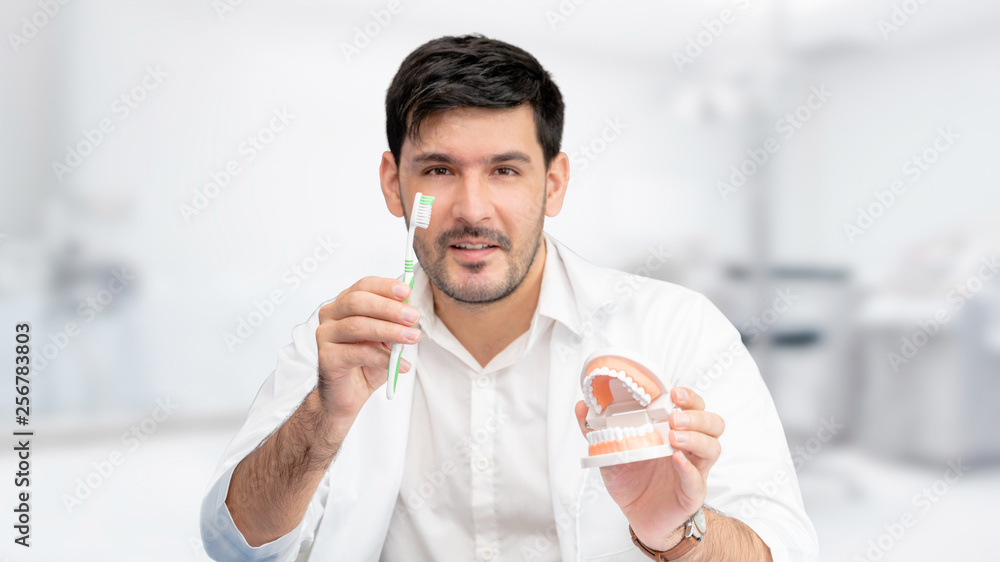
<point>476,132</point>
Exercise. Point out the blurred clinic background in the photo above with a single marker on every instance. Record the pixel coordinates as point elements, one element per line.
<point>185,181</point>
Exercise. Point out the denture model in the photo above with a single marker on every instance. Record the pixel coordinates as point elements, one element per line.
<point>627,409</point>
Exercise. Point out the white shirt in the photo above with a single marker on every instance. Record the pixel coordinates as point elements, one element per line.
<point>360,510</point>
<point>476,480</point>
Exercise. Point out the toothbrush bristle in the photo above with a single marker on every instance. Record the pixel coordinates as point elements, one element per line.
<point>422,214</point>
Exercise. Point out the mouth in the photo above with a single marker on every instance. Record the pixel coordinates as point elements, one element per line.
<point>472,250</point>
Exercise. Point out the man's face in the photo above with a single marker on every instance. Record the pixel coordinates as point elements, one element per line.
<point>486,171</point>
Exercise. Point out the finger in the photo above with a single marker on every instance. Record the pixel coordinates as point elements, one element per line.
<point>708,423</point>
<point>382,286</point>
<point>692,482</point>
<point>701,449</point>
<point>686,399</point>
<point>367,354</point>
<point>385,286</point>
<point>372,305</point>
<point>354,329</point>
<point>581,416</point>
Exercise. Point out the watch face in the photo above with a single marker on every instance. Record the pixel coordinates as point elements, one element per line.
<point>699,521</point>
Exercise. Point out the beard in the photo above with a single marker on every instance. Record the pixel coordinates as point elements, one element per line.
<point>480,291</point>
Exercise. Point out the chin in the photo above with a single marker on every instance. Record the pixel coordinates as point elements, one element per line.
<point>477,290</point>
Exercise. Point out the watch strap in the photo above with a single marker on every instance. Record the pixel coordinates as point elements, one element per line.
<point>688,542</point>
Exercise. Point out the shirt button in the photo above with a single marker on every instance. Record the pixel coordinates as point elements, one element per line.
<point>487,554</point>
<point>482,463</point>
<point>483,381</point>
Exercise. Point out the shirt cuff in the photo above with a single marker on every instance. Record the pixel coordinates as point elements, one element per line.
<point>223,541</point>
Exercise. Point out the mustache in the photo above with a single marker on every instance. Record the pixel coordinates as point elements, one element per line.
<point>494,237</point>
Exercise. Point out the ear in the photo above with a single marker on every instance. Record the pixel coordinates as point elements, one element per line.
<point>557,179</point>
<point>389,177</point>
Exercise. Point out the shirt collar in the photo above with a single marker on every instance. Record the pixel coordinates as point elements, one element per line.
<point>555,298</point>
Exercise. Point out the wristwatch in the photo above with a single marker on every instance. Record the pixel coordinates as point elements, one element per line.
<point>694,530</point>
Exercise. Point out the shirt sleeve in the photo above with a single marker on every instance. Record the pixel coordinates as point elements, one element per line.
<point>293,379</point>
<point>754,479</point>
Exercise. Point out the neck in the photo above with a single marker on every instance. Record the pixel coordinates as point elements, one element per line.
<point>486,329</point>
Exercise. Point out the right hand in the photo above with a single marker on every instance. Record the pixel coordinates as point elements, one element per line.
<point>355,334</point>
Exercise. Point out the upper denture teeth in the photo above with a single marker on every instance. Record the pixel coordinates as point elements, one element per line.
<point>638,392</point>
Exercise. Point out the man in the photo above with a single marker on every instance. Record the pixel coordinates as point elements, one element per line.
<point>478,455</point>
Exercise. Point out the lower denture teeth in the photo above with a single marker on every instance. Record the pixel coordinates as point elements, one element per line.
<point>598,436</point>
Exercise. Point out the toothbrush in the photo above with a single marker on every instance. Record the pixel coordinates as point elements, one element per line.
<point>421,216</point>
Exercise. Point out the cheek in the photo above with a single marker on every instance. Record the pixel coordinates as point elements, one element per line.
<point>520,213</point>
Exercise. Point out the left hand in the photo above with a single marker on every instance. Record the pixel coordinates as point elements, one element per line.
<point>658,495</point>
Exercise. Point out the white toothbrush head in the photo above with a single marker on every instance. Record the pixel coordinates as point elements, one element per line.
<point>421,215</point>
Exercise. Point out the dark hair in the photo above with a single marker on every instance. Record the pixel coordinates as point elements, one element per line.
<point>471,71</point>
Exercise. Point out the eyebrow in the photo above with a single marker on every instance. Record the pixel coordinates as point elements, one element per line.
<point>509,156</point>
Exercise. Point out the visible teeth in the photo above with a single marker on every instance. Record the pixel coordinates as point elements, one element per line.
<point>472,246</point>
<point>617,433</point>
<point>638,393</point>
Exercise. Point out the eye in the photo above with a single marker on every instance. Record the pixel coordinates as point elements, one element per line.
<point>437,171</point>
<point>506,171</point>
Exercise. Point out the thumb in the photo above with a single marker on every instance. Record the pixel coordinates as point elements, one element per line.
<point>581,416</point>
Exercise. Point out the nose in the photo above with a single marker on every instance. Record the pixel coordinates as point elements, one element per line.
<point>472,203</point>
